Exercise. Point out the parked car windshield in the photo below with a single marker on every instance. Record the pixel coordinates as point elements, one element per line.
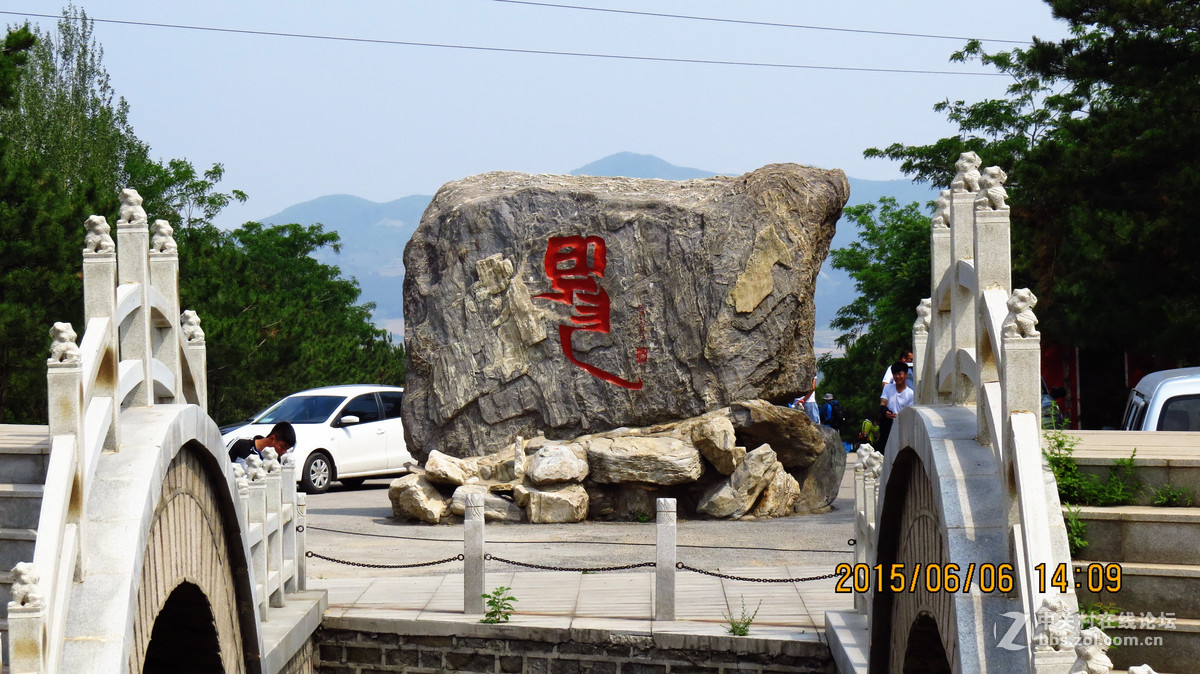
<point>301,410</point>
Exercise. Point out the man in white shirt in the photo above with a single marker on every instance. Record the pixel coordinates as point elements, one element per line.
<point>895,397</point>
<point>906,358</point>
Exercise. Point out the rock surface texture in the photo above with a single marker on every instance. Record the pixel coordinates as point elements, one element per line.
<point>573,305</point>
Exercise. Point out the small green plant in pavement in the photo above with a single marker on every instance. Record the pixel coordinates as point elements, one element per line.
<point>1076,530</point>
<point>499,604</point>
<point>1168,496</point>
<point>741,626</point>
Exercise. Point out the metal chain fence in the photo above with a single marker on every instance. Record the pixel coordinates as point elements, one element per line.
<point>456,558</point>
<point>717,574</point>
<point>593,569</point>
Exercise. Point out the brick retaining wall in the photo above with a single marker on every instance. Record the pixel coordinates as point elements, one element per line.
<point>519,649</point>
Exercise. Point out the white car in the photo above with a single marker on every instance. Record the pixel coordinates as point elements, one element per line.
<point>344,433</point>
<point>1168,400</point>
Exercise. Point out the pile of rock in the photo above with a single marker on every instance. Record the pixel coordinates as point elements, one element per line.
<point>794,467</point>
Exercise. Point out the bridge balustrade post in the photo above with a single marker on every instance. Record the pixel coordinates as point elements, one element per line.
<point>473,580</point>
<point>100,301</point>
<point>664,567</point>
<point>861,533</point>
<point>1022,387</point>
<point>64,389</point>
<point>273,536</point>
<point>291,553</point>
<point>257,516</point>
<point>871,493</point>
<point>301,542</point>
<point>962,294</point>
<point>164,277</point>
<point>993,271</point>
<point>27,638</point>
<point>925,391</point>
<point>941,262</point>
<point>199,359</point>
<point>133,262</point>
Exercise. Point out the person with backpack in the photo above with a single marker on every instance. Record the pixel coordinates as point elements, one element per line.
<point>831,412</point>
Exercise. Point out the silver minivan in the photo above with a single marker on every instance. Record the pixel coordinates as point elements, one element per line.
<point>1167,400</point>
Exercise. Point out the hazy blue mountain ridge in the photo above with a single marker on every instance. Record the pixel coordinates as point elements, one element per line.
<point>374,235</point>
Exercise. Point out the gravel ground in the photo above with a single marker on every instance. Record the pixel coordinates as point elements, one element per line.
<point>355,525</point>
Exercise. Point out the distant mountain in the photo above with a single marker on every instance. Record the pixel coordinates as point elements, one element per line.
<point>630,165</point>
<point>374,235</point>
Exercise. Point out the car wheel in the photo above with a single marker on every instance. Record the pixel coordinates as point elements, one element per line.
<point>353,482</point>
<point>318,473</point>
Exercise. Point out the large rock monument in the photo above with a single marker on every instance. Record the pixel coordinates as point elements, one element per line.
<point>572,305</point>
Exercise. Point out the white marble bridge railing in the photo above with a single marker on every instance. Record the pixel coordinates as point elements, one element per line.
<point>976,345</point>
<point>138,350</point>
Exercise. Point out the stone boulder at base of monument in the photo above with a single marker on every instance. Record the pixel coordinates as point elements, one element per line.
<point>495,507</point>
<point>414,497</point>
<point>618,474</point>
<point>556,463</point>
<point>574,305</point>
<point>736,494</point>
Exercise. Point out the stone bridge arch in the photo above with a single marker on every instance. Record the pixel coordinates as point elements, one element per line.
<point>961,489</point>
<point>192,573</point>
<point>148,545</point>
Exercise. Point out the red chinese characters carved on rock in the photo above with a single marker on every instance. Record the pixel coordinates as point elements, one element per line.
<point>573,281</point>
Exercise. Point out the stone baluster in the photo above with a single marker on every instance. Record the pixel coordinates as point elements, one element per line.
<point>100,301</point>
<point>273,535</point>
<point>664,568</point>
<point>962,247</point>
<point>164,277</point>
<point>473,580</point>
<point>257,516</point>
<point>197,392</point>
<point>301,542</point>
<point>925,384</point>
<point>993,260</point>
<point>27,638</point>
<point>941,262</point>
<point>861,531</point>
<point>291,550</point>
<point>133,267</point>
<point>64,389</point>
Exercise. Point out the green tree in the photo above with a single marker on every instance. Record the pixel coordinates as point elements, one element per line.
<point>890,267</point>
<point>37,285</point>
<point>1100,134</point>
<point>276,320</point>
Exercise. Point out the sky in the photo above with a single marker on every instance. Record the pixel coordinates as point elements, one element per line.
<point>293,118</point>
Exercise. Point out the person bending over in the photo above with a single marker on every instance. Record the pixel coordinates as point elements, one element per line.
<point>282,438</point>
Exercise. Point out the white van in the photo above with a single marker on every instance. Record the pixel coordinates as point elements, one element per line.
<point>1168,400</point>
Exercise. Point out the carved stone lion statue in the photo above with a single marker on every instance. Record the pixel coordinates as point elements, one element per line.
<point>1090,656</point>
<point>25,590</point>
<point>131,207</point>
<point>161,239</point>
<point>967,178</point>
<point>941,217</point>
<point>924,315</point>
<point>1021,322</point>
<point>271,460</point>
<point>869,460</point>
<point>189,321</point>
<point>63,348</point>
<point>254,468</point>
<point>1054,630</point>
<point>991,189</point>
<point>98,238</point>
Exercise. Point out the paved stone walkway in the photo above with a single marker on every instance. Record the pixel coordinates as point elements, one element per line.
<point>617,602</point>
